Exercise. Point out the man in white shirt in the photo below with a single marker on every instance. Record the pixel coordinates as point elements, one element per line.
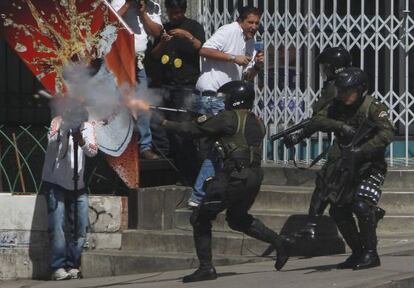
<point>228,55</point>
<point>229,52</point>
<point>144,19</point>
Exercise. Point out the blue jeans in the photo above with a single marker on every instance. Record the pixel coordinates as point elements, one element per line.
<point>210,106</point>
<point>66,248</point>
<point>207,105</point>
<point>144,119</point>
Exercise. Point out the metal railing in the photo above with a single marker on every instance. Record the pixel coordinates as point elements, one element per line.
<point>22,153</point>
<point>379,34</point>
<point>22,150</point>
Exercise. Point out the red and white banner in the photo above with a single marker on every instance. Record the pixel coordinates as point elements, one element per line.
<point>46,35</point>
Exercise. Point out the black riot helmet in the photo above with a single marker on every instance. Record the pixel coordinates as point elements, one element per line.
<point>332,61</point>
<point>351,80</point>
<point>238,95</point>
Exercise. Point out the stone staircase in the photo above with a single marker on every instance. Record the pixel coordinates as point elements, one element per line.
<point>162,238</point>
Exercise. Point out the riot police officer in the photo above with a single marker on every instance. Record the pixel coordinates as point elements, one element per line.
<point>238,136</point>
<point>331,62</point>
<point>356,167</point>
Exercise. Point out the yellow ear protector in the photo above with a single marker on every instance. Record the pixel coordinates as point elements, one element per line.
<point>165,59</point>
<point>178,62</point>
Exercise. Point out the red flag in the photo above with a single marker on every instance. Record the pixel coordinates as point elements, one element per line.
<point>48,34</point>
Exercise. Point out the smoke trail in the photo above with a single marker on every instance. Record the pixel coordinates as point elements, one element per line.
<point>92,93</point>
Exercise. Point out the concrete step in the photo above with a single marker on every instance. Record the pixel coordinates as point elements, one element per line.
<point>291,198</point>
<point>224,243</point>
<point>278,175</point>
<point>157,208</point>
<point>289,222</point>
<point>104,263</point>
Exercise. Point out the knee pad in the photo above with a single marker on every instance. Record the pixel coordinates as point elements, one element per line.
<point>370,189</point>
<point>362,208</point>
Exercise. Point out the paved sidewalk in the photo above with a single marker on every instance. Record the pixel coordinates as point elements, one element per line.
<point>318,272</point>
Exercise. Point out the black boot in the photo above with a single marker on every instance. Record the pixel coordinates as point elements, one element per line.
<point>369,259</point>
<point>351,236</point>
<point>316,209</point>
<point>201,274</point>
<point>349,262</point>
<point>202,242</point>
<point>367,222</point>
<point>259,231</point>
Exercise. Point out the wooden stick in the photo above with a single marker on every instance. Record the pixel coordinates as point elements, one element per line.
<point>19,166</point>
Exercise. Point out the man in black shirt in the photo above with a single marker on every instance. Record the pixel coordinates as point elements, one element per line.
<point>177,52</point>
<point>178,46</point>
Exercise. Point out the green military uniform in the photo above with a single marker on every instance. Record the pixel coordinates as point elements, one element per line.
<point>373,149</point>
<point>236,184</point>
<point>328,118</point>
<point>356,190</point>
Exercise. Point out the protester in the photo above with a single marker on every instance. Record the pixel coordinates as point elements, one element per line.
<point>180,43</point>
<point>144,18</point>
<point>59,186</point>
<point>228,55</point>
<point>177,49</point>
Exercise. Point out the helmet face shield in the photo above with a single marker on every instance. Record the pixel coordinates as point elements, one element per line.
<point>352,86</point>
<point>237,95</point>
<point>348,96</point>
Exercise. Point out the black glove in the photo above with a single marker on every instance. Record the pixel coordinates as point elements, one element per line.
<point>348,131</point>
<point>291,140</point>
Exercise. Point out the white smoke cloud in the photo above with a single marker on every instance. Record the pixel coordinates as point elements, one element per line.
<point>97,95</point>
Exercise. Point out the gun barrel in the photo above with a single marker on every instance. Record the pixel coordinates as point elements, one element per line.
<point>168,109</point>
<point>289,130</point>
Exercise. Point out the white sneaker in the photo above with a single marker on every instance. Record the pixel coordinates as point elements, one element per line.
<point>60,274</point>
<point>192,204</point>
<point>74,273</point>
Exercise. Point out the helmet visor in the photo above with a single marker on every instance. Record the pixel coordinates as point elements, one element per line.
<point>348,95</point>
